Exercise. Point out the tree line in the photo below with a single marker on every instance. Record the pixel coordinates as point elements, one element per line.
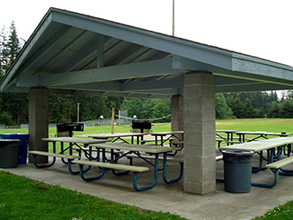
<point>63,108</point>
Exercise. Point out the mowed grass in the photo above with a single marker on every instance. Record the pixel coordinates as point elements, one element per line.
<point>267,124</point>
<point>22,198</point>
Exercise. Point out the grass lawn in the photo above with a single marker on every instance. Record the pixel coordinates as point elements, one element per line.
<point>22,198</point>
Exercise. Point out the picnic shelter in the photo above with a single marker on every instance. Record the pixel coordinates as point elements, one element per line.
<point>72,53</point>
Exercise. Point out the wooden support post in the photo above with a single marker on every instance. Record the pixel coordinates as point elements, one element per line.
<point>112,123</point>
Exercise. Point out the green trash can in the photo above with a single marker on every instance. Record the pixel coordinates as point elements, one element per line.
<point>237,170</point>
<point>9,153</point>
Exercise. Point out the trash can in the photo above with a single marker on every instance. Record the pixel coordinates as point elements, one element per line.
<point>22,150</point>
<point>237,170</point>
<point>9,153</point>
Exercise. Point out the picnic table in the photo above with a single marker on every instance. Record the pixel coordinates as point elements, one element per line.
<point>129,149</point>
<point>228,137</point>
<point>120,136</point>
<point>78,142</point>
<point>172,135</point>
<point>259,134</point>
<point>274,161</point>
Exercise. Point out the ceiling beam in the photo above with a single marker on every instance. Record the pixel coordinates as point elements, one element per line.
<point>120,72</point>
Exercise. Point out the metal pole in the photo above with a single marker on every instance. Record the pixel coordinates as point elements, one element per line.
<point>173,18</point>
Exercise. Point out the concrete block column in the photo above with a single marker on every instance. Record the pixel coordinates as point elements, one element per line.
<point>199,133</point>
<point>38,121</point>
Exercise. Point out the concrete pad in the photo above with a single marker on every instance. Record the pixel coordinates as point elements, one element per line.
<point>170,197</point>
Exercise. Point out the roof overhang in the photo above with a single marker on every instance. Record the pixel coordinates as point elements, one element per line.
<point>79,54</point>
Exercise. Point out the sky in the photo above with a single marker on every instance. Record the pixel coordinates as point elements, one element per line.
<point>261,28</point>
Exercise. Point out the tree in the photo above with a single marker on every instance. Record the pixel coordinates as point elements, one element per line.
<point>161,108</point>
<point>15,104</point>
<point>274,111</point>
<point>286,109</point>
<point>2,52</point>
<point>237,107</point>
<point>222,109</point>
<point>135,106</point>
<point>249,111</point>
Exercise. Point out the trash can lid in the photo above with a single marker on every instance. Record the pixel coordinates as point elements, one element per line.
<point>238,152</point>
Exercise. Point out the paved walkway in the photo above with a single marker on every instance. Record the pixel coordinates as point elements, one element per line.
<point>170,198</point>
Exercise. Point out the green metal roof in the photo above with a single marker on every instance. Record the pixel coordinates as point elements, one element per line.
<point>79,54</point>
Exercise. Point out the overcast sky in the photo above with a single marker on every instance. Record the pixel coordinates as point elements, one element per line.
<point>260,28</point>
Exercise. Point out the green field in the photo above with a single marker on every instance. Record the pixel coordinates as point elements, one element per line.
<point>269,125</point>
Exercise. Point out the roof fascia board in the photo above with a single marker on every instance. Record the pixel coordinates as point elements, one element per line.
<point>128,71</point>
<point>246,64</point>
<point>244,67</point>
<point>251,87</point>
<point>185,48</point>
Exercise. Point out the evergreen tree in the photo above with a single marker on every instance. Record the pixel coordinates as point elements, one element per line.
<point>222,109</point>
<point>249,111</point>
<point>238,108</point>
<point>274,111</point>
<point>2,52</point>
<point>16,105</point>
<point>286,109</point>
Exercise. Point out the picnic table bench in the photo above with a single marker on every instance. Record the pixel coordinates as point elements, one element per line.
<point>54,155</point>
<point>72,142</point>
<point>104,165</point>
